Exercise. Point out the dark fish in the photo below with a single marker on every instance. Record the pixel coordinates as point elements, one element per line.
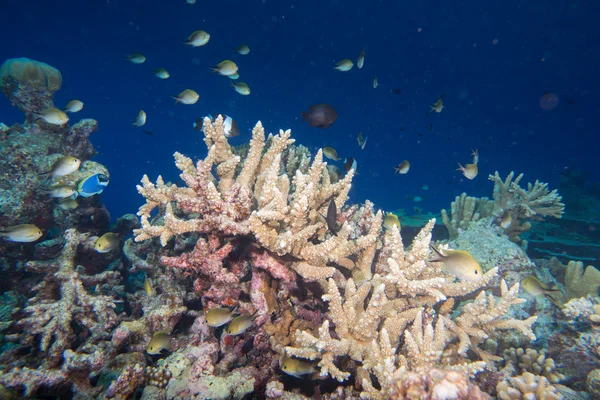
<point>350,163</point>
<point>332,217</point>
<point>397,91</point>
<point>320,116</point>
<point>148,132</point>
<point>430,127</point>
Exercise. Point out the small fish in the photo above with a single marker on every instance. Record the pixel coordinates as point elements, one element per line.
<point>191,2</point>
<point>344,65</point>
<point>161,341</point>
<point>161,73</point>
<point>60,192</point>
<point>63,166</point>
<point>534,287</point>
<point>475,154</point>
<point>334,173</point>
<point>430,127</point>
<point>361,59</point>
<point>92,185</point>
<point>240,324</point>
<point>469,171</point>
<point>375,81</point>
<point>226,68</point>
<point>459,263</point>
<point>362,142</point>
<point>424,187</point>
<point>320,115</point>
<point>136,58</point>
<point>140,119</point>
<point>107,242</point>
<point>148,132</point>
<point>188,96</point>
<point>298,368</point>
<point>397,91</point>
<point>350,163</point>
<point>402,168</point>
<point>149,287</point>
<point>331,217</point>
<point>197,39</point>
<point>330,153</point>
<point>74,106</point>
<point>220,316</point>
<point>506,219</point>
<point>234,76</point>
<point>241,87</point>
<point>53,116</point>
<point>24,233</point>
<point>416,198</point>
<point>67,204</point>
<point>390,220</point>
<point>438,106</point>
<point>243,49</point>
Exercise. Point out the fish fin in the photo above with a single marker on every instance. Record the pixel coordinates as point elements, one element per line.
<point>440,256</point>
<point>176,99</point>
<point>460,167</point>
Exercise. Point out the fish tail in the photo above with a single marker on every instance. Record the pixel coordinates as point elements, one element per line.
<point>176,99</point>
<point>460,167</point>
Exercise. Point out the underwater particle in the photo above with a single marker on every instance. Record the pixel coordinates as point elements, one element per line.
<point>438,106</point>
<point>298,368</point>
<point>140,119</point>
<point>243,49</point>
<point>24,233</point>
<point>391,220</point>
<point>320,116</point>
<point>161,73</point>
<point>53,116</point>
<point>106,242</point>
<point>548,101</point>
<point>241,87</point>
<point>459,263</point>
<point>92,185</point>
<point>63,166</point>
<point>188,96</point>
<point>136,58</point>
<point>74,106</point>
<point>344,65</point>
<point>226,68</point>
<point>402,168</point>
<point>331,153</point>
<point>197,39</point>
<point>362,142</point>
<point>495,41</point>
<point>220,316</point>
<point>161,341</point>
<point>375,81</point>
<point>360,62</point>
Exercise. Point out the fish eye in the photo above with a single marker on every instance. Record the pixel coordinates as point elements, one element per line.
<point>476,272</point>
<point>102,178</point>
<point>285,367</point>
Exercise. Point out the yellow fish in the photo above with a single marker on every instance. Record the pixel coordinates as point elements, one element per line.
<point>534,287</point>
<point>24,233</point>
<point>74,106</point>
<point>344,65</point>
<point>140,119</point>
<point>161,73</point>
<point>63,166</point>
<point>470,171</point>
<point>243,49</point>
<point>334,173</point>
<point>148,287</point>
<point>197,39</point>
<point>390,220</point>
<point>226,68</point>
<point>60,191</point>
<point>53,116</point>
<point>241,87</point>
<point>459,263</point>
<point>361,59</point>
<point>67,204</point>
<point>330,153</point>
<point>219,316</point>
<point>161,341</point>
<point>402,168</point>
<point>188,96</point>
<point>298,368</point>
<point>438,106</point>
<point>240,324</point>
<point>106,242</point>
<point>506,219</point>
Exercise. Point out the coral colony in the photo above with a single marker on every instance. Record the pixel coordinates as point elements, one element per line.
<point>311,297</point>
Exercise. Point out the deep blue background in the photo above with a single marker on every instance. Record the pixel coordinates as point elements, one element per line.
<point>492,90</point>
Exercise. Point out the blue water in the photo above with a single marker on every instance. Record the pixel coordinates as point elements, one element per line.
<point>492,62</point>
